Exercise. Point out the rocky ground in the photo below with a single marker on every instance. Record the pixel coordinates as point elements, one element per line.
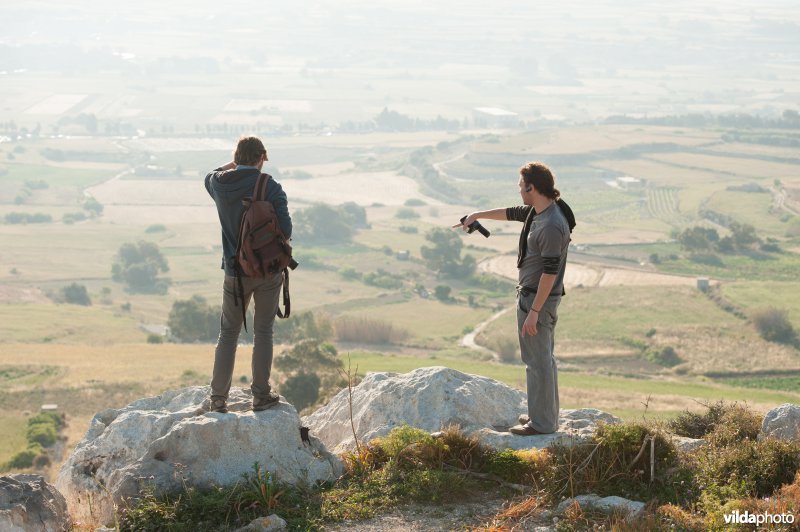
<point>474,515</point>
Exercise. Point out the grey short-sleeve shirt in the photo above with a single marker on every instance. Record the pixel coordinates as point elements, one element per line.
<point>549,237</point>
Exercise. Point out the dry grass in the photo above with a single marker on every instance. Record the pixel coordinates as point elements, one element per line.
<point>369,331</point>
<point>755,169</point>
<point>518,514</point>
<point>149,365</point>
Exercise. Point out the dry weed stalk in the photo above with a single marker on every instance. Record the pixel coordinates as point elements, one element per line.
<point>349,376</point>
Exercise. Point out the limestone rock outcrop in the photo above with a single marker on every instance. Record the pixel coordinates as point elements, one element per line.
<point>574,426</point>
<point>28,503</point>
<point>782,422</point>
<point>433,398</point>
<point>165,440</point>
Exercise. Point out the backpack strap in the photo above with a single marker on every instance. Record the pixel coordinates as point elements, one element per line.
<point>238,294</point>
<point>286,301</point>
<point>262,185</point>
<point>523,237</point>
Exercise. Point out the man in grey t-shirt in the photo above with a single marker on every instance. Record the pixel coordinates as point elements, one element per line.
<point>548,222</point>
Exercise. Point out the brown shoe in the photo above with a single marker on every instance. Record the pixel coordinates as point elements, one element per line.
<point>262,403</point>
<point>525,430</point>
<point>523,419</point>
<point>218,405</point>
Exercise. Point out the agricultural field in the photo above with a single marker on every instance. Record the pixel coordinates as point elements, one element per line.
<point>620,309</point>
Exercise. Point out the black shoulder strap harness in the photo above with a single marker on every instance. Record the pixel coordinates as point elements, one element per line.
<point>566,210</point>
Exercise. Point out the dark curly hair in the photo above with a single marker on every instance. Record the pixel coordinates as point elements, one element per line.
<point>541,178</point>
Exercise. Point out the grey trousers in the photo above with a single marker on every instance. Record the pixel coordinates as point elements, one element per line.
<point>265,293</point>
<point>540,362</point>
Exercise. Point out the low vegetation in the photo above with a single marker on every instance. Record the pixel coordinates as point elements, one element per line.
<point>138,266</point>
<point>368,331</point>
<point>684,490</point>
<point>42,433</point>
<point>312,373</point>
<point>774,326</point>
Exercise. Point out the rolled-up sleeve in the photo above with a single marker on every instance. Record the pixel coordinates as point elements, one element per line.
<point>518,214</point>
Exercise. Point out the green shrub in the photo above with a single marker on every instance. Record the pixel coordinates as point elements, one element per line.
<point>193,319</point>
<point>405,213</point>
<point>27,218</point>
<point>72,217</point>
<point>749,467</point>
<point>155,339</point>
<point>76,294</point>
<point>608,465</point>
<point>42,433</point>
<point>303,326</point>
<point>442,292</point>
<point>383,279</point>
<point>25,459</point>
<point>414,202</point>
<point>707,259</point>
<point>666,356</point>
<point>774,326</point>
<point>301,389</point>
<point>401,438</point>
<point>506,347</point>
<point>520,467</point>
<point>738,423</point>
<point>218,508</point>
<point>698,425</point>
<point>350,274</point>
<point>156,228</point>
<point>52,418</point>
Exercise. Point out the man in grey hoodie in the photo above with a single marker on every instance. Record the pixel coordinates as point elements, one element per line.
<point>228,185</point>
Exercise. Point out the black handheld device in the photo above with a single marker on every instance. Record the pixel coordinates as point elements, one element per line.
<point>476,226</point>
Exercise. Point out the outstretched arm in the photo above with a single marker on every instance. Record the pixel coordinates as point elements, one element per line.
<point>492,214</point>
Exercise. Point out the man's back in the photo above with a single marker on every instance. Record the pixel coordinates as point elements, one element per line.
<point>228,188</point>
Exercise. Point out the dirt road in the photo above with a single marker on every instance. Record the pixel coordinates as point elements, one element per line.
<point>591,274</point>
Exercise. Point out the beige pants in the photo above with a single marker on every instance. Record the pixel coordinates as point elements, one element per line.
<point>265,293</point>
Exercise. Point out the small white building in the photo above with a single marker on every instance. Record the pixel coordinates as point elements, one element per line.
<point>627,182</point>
<point>495,117</point>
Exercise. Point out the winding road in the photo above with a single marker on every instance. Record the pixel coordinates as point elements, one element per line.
<point>586,274</point>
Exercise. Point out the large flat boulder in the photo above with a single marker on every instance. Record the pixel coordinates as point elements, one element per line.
<point>165,440</point>
<point>28,504</point>
<point>433,398</point>
<point>574,426</point>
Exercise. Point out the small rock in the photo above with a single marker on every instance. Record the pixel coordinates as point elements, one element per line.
<point>782,423</point>
<point>28,503</point>
<point>606,504</point>
<point>271,523</point>
<point>684,444</point>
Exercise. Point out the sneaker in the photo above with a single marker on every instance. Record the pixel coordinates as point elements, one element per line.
<point>218,405</point>
<point>523,419</point>
<point>262,403</point>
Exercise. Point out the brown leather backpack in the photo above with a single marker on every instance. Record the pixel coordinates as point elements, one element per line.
<point>262,247</point>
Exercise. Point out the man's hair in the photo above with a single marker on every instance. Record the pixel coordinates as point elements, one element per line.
<point>249,151</point>
<point>539,176</point>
